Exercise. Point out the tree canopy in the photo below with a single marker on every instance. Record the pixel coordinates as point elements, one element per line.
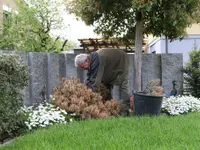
<point>132,19</point>
<point>29,28</point>
<point>118,18</point>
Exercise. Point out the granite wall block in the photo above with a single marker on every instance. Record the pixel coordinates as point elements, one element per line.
<point>172,64</point>
<point>23,58</point>
<point>71,70</point>
<point>151,68</point>
<point>46,70</point>
<point>131,73</point>
<point>62,66</point>
<point>53,72</point>
<point>38,77</point>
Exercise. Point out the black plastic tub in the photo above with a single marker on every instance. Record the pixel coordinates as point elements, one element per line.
<point>147,104</point>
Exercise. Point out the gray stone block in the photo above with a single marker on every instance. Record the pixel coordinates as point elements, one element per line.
<point>23,58</point>
<point>151,65</point>
<point>53,72</point>
<point>71,70</point>
<point>80,74</point>
<point>6,51</point>
<point>38,77</point>
<point>172,64</point>
<point>78,51</point>
<point>46,70</point>
<point>62,66</point>
<point>131,73</point>
<point>85,75</point>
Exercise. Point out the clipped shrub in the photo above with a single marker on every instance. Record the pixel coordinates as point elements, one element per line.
<point>73,96</point>
<point>192,73</point>
<point>13,78</point>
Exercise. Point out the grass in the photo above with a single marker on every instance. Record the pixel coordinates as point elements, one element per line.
<point>133,133</point>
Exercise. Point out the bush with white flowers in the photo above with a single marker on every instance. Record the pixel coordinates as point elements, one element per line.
<point>45,115</point>
<point>180,105</point>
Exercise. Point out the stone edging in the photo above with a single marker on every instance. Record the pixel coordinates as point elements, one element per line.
<point>6,142</point>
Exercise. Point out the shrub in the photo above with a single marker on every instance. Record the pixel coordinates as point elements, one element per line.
<point>45,115</point>
<point>192,73</point>
<point>13,78</point>
<point>180,105</point>
<point>73,96</point>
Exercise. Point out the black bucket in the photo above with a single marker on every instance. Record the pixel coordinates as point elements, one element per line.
<point>147,104</point>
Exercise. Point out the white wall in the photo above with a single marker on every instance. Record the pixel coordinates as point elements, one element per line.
<point>184,46</point>
<point>155,46</point>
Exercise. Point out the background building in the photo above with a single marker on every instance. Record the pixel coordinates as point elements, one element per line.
<point>6,6</point>
<point>161,45</point>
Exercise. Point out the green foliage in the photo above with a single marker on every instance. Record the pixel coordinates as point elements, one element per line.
<point>116,18</point>
<point>70,45</point>
<point>192,72</point>
<point>65,45</point>
<point>30,28</point>
<point>132,19</point>
<point>13,78</point>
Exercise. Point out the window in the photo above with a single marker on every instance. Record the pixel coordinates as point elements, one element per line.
<point>6,21</point>
<point>6,8</point>
<point>5,15</point>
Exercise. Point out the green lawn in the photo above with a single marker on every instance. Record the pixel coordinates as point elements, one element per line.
<point>133,133</point>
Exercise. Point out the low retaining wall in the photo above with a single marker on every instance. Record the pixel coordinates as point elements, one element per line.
<point>46,70</point>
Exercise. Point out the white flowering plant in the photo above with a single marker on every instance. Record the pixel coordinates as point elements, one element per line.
<point>180,105</point>
<point>45,115</point>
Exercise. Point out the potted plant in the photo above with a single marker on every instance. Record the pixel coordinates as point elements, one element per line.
<point>149,101</point>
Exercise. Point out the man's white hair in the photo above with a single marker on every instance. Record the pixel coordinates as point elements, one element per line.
<point>79,59</point>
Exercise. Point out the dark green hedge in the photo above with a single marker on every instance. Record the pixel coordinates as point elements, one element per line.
<point>13,79</point>
<point>192,73</point>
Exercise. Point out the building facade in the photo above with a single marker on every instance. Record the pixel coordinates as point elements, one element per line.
<point>6,6</point>
<point>163,45</point>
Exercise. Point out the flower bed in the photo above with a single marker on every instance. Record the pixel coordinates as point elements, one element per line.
<point>180,105</point>
<point>45,115</point>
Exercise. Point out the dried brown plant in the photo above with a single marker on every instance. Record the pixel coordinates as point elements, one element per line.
<point>73,96</point>
<point>154,88</point>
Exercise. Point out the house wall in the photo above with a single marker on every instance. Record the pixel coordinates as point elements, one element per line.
<point>6,5</point>
<point>46,70</point>
<point>184,46</point>
<point>194,29</point>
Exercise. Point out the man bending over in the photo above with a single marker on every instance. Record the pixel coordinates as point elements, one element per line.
<point>108,67</point>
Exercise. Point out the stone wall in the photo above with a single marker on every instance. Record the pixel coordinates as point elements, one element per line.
<point>47,69</point>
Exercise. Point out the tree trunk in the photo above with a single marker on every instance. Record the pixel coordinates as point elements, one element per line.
<point>138,56</point>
